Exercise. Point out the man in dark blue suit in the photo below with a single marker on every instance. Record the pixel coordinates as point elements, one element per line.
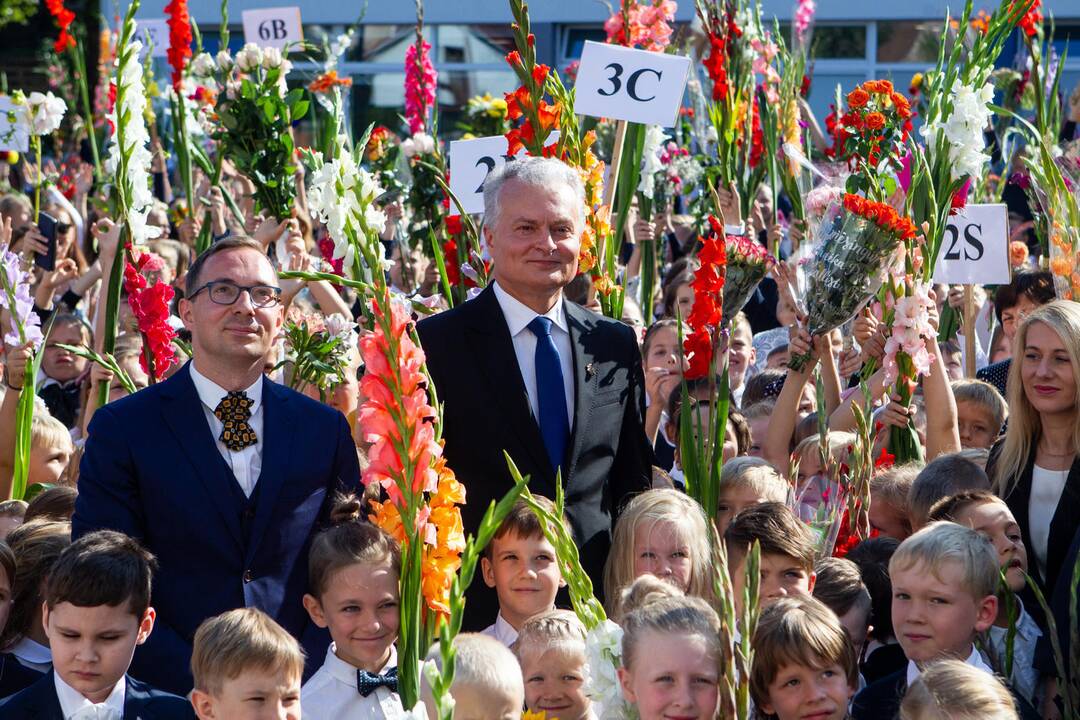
<point>224,475</point>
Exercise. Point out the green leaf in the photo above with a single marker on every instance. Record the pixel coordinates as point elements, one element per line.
<point>299,110</point>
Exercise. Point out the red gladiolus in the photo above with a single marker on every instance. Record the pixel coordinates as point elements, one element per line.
<point>63,18</point>
<point>885,459</point>
<point>705,315</point>
<point>150,305</point>
<point>1032,20</point>
<point>420,81</point>
<point>179,51</point>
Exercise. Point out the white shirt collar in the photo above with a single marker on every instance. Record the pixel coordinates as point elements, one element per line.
<point>974,660</point>
<point>503,631</point>
<point>31,651</point>
<point>518,315</point>
<point>210,393</point>
<point>346,673</point>
<point>71,700</point>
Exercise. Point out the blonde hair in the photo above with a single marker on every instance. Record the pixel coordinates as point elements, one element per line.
<point>982,393</point>
<point>551,629</point>
<point>238,640</point>
<point>481,662</point>
<point>652,507</point>
<point>942,542</point>
<point>838,440</point>
<point>47,431</point>
<point>756,474</point>
<point>799,631</point>
<point>954,690</point>
<point>1063,317</point>
<point>652,606</point>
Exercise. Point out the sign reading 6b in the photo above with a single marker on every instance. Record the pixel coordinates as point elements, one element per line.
<point>632,85</point>
<point>273,27</point>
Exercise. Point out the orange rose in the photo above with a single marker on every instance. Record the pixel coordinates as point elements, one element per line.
<point>858,98</point>
<point>875,121</point>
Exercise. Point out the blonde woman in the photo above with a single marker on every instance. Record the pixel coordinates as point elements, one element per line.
<point>1035,467</point>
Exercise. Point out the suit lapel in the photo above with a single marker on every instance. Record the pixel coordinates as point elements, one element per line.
<point>47,702</point>
<point>490,339</point>
<point>183,414</point>
<point>1063,526</point>
<point>276,447</point>
<point>581,325</point>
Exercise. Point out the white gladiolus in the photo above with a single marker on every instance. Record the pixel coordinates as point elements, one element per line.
<point>963,129</point>
<point>342,195</point>
<point>249,58</point>
<point>131,141</point>
<point>603,656</point>
<point>650,159</point>
<point>203,65</point>
<point>419,144</point>
<point>44,112</point>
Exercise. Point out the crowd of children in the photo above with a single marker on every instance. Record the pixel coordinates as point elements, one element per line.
<point>939,614</point>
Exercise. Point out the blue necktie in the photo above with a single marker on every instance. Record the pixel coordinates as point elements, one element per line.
<point>550,391</point>
<point>367,683</point>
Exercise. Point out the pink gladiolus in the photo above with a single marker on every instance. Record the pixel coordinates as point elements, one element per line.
<point>420,84</point>
<point>804,15</point>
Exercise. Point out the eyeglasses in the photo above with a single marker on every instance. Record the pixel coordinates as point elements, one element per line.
<point>224,292</point>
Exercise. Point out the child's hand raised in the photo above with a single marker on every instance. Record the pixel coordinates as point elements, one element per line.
<point>16,361</point>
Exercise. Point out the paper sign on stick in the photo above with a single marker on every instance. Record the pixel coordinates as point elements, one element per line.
<point>975,249</point>
<point>470,163</point>
<point>14,133</point>
<point>633,85</point>
<point>273,27</point>
<point>154,34</point>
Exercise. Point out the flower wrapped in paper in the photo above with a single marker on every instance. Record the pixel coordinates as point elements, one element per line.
<point>747,264</point>
<point>848,263</point>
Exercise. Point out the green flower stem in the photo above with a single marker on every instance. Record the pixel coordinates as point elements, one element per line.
<point>78,60</point>
<point>106,361</point>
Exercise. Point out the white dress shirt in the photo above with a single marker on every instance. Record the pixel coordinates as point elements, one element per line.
<point>1046,489</point>
<point>247,463</point>
<point>331,693</point>
<point>975,660</point>
<point>33,655</point>
<point>75,706</point>
<point>518,316</point>
<point>502,631</point>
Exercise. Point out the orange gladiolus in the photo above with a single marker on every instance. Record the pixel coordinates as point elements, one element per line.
<point>1061,266</point>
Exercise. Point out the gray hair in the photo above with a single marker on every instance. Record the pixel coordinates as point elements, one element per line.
<point>537,171</point>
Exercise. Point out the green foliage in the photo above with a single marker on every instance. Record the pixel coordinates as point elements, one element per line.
<point>17,12</point>
<point>255,137</point>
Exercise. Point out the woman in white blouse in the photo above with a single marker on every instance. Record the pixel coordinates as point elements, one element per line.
<point>1036,467</point>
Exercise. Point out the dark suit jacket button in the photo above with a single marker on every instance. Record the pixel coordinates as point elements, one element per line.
<point>248,577</point>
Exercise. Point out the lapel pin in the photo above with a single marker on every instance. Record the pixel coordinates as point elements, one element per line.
<point>588,370</point>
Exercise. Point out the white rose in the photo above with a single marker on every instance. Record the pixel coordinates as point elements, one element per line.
<point>408,147</point>
<point>224,61</point>
<point>249,58</point>
<point>271,57</point>
<point>202,65</point>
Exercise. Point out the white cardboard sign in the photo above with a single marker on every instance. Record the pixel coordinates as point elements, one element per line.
<point>14,133</point>
<point>633,85</point>
<point>154,33</point>
<point>975,249</point>
<point>470,163</point>
<point>273,27</point>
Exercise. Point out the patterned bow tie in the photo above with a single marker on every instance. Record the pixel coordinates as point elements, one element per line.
<point>367,683</point>
<point>234,411</point>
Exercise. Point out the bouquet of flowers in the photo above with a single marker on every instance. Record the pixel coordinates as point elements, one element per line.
<point>484,116</point>
<point>1057,187</point>
<point>876,124</point>
<point>747,264</point>
<point>849,261</point>
<point>256,115</point>
<point>318,352</point>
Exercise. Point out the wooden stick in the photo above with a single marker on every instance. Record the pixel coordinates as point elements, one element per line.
<point>969,331</point>
<point>609,190</point>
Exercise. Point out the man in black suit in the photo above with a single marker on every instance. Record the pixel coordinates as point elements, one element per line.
<point>521,369</point>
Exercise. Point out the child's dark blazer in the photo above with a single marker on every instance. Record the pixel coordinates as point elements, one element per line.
<point>141,702</point>
<point>881,700</point>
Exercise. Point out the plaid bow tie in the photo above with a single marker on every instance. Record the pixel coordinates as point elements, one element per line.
<point>234,411</point>
<point>367,683</point>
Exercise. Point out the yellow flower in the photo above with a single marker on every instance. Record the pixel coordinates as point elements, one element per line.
<point>438,572</point>
<point>542,715</point>
<point>449,531</point>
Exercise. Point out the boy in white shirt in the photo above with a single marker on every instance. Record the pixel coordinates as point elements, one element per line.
<point>521,565</point>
